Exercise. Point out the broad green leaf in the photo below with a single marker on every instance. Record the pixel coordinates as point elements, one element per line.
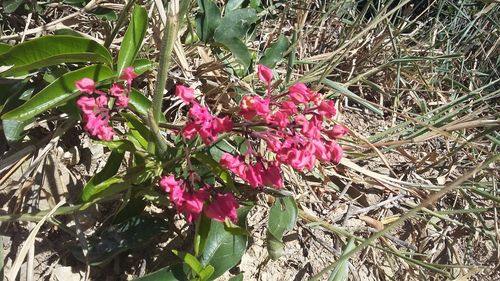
<point>223,250</point>
<point>139,103</point>
<point>274,53</point>
<point>208,20</point>
<point>58,92</point>
<point>233,29</point>
<point>142,65</point>
<point>341,271</point>
<point>344,91</point>
<point>104,14</point>
<point>4,48</point>
<point>13,129</point>
<point>10,6</point>
<point>171,273</point>
<point>95,184</point>
<point>282,216</point>
<point>275,247</point>
<point>137,129</point>
<point>233,5</point>
<point>133,38</point>
<point>52,50</point>
<point>133,233</point>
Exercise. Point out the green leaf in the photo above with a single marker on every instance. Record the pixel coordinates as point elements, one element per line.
<point>223,250</point>
<point>142,65</point>
<point>233,5</point>
<point>139,103</point>
<point>13,130</point>
<point>201,234</point>
<point>137,129</point>
<point>275,247</point>
<point>275,52</point>
<point>104,14</point>
<point>203,272</point>
<point>133,38</point>
<point>52,50</point>
<point>208,19</point>
<point>282,216</point>
<point>341,271</point>
<point>58,92</point>
<point>4,48</point>
<point>233,29</point>
<point>133,233</point>
<point>171,273</point>
<point>344,91</point>
<point>10,6</point>
<point>95,184</point>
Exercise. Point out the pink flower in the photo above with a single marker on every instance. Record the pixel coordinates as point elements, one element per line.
<point>168,183</point>
<point>220,125</point>
<point>327,109</point>
<point>336,152</point>
<point>86,104</point>
<point>265,74</point>
<point>337,132</point>
<point>199,114</point>
<point>102,101</point>
<point>279,119</point>
<point>85,85</point>
<point>288,107</point>
<point>116,90</point>
<point>250,106</point>
<point>223,206</point>
<point>189,131</point>
<point>192,205</point>
<point>93,124</point>
<point>128,75</point>
<point>272,176</point>
<point>185,93</point>
<point>122,101</point>
<point>105,133</point>
<point>299,93</point>
<point>253,174</point>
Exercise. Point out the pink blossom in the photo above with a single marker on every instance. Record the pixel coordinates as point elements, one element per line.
<point>229,161</point>
<point>337,132</point>
<point>251,106</point>
<point>223,206</point>
<point>220,125</point>
<point>288,107</point>
<point>299,93</point>
<point>189,131</point>
<point>279,119</point>
<point>105,133</point>
<point>85,85</point>
<point>327,109</point>
<point>336,152</point>
<point>102,101</point>
<point>122,101</point>
<point>192,205</point>
<point>253,174</point>
<point>128,75</point>
<point>86,104</point>
<point>199,114</point>
<point>116,90</point>
<point>265,74</point>
<point>272,176</point>
<point>185,93</point>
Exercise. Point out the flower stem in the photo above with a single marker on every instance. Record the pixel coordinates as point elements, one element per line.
<point>167,46</point>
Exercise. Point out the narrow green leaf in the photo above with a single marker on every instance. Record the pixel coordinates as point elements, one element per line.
<point>208,19</point>
<point>139,103</point>
<point>52,50</point>
<point>341,271</point>
<point>190,260</point>
<point>216,169</point>
<point>344,91</point>
<point>10,6</point>
<point>275,52</point>
<point>58,92</point>
<point>200,237</point>
<point>133,38</point>
<point>95,184</point>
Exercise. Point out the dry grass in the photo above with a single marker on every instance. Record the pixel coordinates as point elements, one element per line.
<point>417,83</point>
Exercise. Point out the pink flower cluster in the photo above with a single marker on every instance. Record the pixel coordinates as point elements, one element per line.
<point>95,105</point>
<point>192,203</point>
<point>201,122</point>
<point>297,134</point>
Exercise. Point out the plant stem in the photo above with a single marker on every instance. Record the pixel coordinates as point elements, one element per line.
<point>167,46</point>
